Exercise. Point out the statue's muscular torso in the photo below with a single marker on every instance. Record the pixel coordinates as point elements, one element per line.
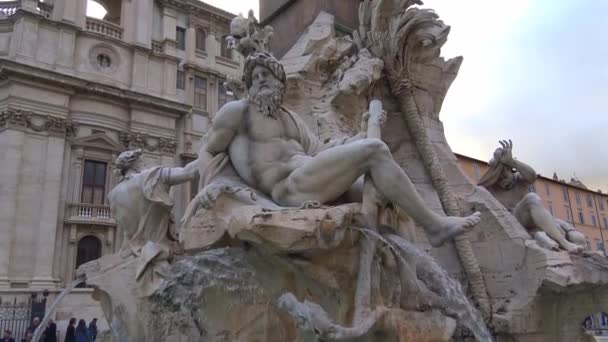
<point>263,150</point>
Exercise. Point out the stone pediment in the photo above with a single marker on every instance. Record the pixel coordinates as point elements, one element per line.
<point>100,141</point>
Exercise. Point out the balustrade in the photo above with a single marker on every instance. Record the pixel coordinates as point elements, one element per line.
<point>157,46</point>
<point>88,211</point>
<point>8,8</point>
<point>104,27</point>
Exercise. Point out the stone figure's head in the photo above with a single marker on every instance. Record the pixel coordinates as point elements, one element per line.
<point>129,160</point>
<point>498,174</point>
<point>265,80</point>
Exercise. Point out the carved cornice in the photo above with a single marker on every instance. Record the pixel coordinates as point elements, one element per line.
<point>199,8</point>
<point>27,120</point>
<point>87,87</point>
<point>148,142</point>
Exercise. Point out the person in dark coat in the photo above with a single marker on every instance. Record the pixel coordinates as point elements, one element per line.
<point>34,325</point>
<point>50,333</point>
<point>7,336</point>
<point>82,332</point>
<point>93,329</point>
<point>29,336</point>
<point>70,333</point>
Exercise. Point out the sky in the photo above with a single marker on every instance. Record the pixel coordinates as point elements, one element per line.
<point>534,71</point>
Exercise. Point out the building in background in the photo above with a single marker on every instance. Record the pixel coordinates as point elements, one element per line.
<point>75,91</point>
<point>585,209</point>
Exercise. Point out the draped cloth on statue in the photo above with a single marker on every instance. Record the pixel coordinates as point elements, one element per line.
<point>142,206</point>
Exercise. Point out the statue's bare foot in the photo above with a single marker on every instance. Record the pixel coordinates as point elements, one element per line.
<point>451,226</point>
<point>572,248</point>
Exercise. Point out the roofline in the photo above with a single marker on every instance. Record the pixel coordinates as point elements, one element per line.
<point>539,175</point>
<point>198,5</point>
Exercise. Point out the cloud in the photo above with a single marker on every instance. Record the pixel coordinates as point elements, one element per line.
<point>533,71</point>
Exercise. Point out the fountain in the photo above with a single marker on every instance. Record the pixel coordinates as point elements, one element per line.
<point>313,257</point>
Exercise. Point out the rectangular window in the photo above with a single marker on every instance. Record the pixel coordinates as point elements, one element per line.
<point>601,204</point>
<point>476,171</point>
<point>223,95</point>
<point>200,93</point>
<point>180,80</point>
<point>600,246</point>
<point>224,50</point>
<point>547,191</point>
<point>589,201</point>
<point>93,182</point>
<point>565,193</point>
<point>593,220</point>
<point>180,37</point>
<point>201,36</point>
<point>578,198</point>
<point>568,216</point>
<point>532,188</point>
<point>605,222</point>
<point>581,217</point>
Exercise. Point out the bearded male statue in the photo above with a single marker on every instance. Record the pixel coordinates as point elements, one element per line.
<point>271,149</point>
<point>508,180</point>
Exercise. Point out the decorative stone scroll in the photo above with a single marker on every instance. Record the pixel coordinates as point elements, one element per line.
<point>148,142</point>
<point>20,119</point>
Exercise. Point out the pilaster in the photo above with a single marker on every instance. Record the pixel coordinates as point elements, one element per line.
<point>11,142</point>
<point>70,11</point>
<point>136,20</point>
<point>49,215</point>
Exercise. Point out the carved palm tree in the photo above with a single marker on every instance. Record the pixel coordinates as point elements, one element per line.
<point>405,37</point>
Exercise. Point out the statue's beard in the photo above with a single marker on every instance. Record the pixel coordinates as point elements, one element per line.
<point>268,102</point>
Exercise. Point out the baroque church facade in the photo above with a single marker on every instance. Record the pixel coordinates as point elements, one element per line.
<point>75,91</point>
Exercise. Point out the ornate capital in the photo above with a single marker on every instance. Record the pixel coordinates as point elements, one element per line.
<point>27,120</point>
<point>148,142</point>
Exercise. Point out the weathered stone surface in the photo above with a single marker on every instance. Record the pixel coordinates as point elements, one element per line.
<point>259,271</point>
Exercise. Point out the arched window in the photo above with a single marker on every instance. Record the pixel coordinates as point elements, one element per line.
<point>107,10</point>
<point>201,37</point>
<point>96,10</point>
<point>89,248</point>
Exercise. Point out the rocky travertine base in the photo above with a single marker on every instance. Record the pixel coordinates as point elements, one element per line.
<point>230,294</point>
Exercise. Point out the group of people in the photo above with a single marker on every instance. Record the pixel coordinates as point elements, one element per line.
<point>80,332</point>
<point>74,333</point>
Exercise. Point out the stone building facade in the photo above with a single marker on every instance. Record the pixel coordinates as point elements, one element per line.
<point>76,91</point>
<point>585,209</point>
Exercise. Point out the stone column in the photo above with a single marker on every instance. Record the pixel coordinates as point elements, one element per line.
<point>49,214</point>
<point>28,211</point>
<point>168,34</point>
<point>76,174</point>
<point>70,263</point>
<point>190,44</point>
<point>136,20</point>
<point>212,47</point>
<point>11,142</point>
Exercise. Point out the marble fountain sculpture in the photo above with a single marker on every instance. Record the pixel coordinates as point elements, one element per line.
<point>331,208</point>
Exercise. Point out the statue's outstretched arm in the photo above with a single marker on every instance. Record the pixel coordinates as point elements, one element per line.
<point>178,175</point>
